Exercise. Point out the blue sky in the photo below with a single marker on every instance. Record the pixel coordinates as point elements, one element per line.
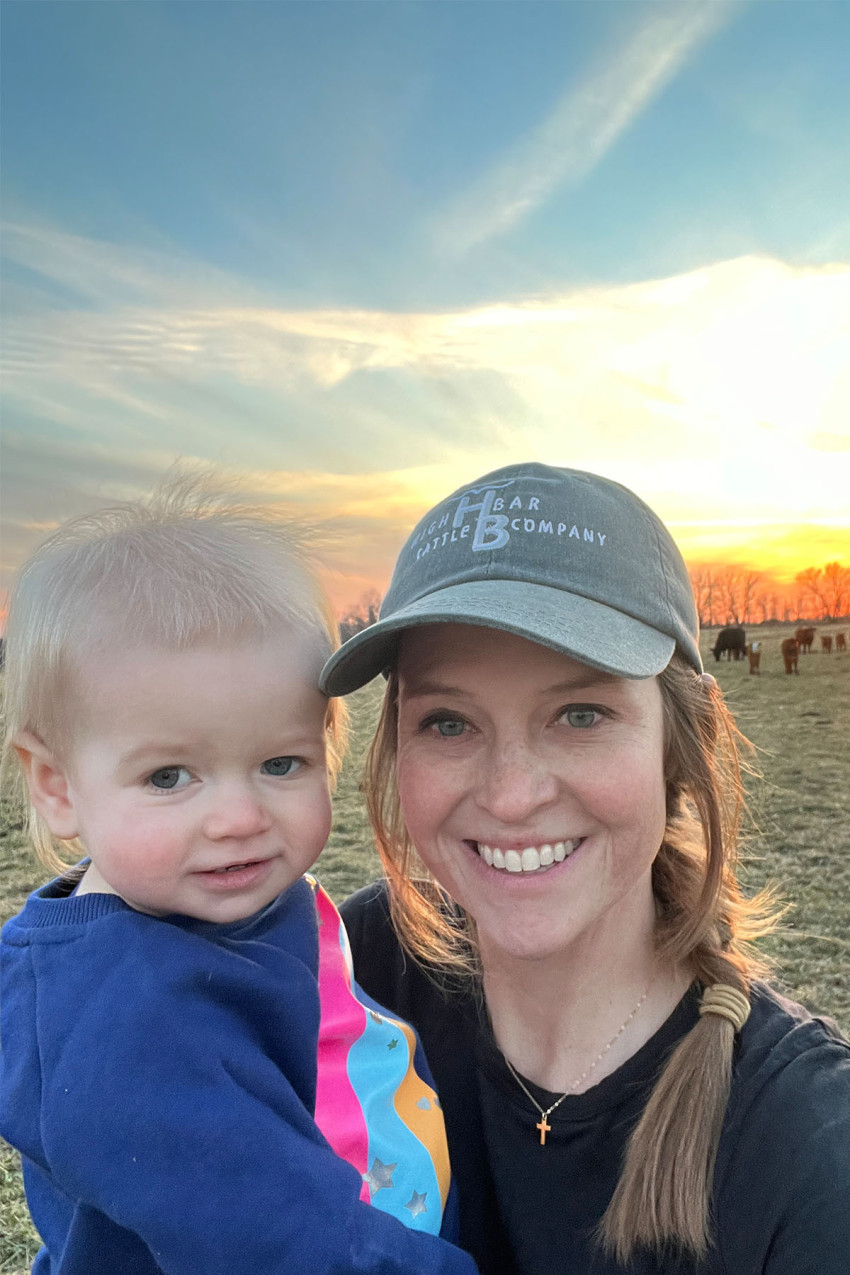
<point>361,252</point>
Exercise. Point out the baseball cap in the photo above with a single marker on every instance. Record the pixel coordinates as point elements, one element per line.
<point>564,558</point>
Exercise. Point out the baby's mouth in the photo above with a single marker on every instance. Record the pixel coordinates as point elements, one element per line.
<point>235,867</point>
<point>529,859</point>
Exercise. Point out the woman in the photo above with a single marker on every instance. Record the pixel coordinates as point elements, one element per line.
<point>619,1091</point>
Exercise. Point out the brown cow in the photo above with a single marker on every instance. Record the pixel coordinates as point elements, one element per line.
<point>754,655</point>
<point>840,642</point>
<point>804,639</point>
<point>826,645</point>
<point>789,655</point>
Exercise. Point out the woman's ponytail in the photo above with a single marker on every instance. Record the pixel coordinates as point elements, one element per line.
<point>662,1201</point>
<point>663,1195</point>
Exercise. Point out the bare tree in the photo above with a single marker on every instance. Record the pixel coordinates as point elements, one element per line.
<point>749,580</point>
<point>360,616</point>
<point>735,588</point>
<point>761,608</point>
<point>703,585</point>
<point>827,589</point>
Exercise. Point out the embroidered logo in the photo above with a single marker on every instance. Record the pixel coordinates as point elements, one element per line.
<point>498,516</point>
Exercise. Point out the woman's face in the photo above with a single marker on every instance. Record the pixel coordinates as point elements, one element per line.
<point>532,787</point>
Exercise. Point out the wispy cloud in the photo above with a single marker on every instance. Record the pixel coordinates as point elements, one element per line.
<point>100,273</point>
<point>743,345</point>
<point>583,124</point>
<point>711,393</point>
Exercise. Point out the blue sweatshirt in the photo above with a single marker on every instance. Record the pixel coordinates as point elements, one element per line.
<point>160,1079</point>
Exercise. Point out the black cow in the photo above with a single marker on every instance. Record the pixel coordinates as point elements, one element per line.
<point>733,641</point>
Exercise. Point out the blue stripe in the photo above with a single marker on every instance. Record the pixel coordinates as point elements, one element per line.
<point>377,1065</point>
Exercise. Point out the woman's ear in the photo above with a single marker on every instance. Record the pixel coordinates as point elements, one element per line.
<point>47,782</point>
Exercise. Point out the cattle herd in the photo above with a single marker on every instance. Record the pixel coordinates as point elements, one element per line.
<point>733,640</point>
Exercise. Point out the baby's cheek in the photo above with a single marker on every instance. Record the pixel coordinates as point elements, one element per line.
<point>317,817</point>
<point>152,849</point>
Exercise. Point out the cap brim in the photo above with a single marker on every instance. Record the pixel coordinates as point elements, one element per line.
<point>588,631</point>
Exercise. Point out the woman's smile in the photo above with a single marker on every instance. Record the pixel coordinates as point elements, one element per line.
<point>532,786</point>
<point>531,858</point>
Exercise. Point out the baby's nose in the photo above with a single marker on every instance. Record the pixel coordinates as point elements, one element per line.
<point>236,812</point>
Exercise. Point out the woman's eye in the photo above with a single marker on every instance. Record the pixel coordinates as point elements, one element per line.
<point>169,777</point>
<point>280,766</point>
<point>581,717</point>
<point>448,727</point>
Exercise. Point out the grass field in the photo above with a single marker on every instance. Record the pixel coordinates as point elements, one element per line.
<point>801,727</point>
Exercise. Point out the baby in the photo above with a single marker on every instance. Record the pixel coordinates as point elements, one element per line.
<point>194,1081</point>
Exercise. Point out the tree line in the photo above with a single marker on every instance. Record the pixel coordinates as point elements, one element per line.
<point>739,595</point>
<point>724,595</point>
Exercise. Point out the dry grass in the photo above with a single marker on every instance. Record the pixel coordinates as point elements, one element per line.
<point>800,726</point>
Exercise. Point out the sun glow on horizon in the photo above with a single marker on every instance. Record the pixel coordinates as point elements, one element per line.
<point>778,551</point>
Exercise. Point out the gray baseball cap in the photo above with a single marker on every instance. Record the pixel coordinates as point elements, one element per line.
<point>561,557</point>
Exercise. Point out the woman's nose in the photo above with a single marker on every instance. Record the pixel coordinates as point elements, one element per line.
<point>514,783</point>
<point>235,812</point>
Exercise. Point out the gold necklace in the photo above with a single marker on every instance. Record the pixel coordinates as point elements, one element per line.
<point>543,1123</point>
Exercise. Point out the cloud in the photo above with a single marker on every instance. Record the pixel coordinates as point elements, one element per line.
<point>712,393</point>
<point>98,273</point>
<point>745,344</point>
<point>359,521</point>
<point>583,124</point>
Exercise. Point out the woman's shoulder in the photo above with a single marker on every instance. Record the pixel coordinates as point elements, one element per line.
<point>371,900</point>
<point>368,918</point>
<point>783,1166</point>
<point>782,1036</point>
<point>384,969</point>
<point>791,1083</point>
<point>791,1068</point>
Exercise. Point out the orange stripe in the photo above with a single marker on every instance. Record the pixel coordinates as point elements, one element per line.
<point>426,1124</point>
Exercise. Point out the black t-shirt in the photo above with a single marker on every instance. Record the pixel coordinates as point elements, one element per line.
<point>781,1200</point>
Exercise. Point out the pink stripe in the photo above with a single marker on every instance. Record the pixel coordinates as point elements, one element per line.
<point>342,1022</point>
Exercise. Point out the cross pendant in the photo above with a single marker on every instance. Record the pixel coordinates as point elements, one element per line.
<point>544,1127</point>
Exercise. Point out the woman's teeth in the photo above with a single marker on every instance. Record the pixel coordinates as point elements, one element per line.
<point>531,859</point>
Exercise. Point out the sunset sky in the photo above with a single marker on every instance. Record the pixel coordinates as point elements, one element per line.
<point>356,254</point>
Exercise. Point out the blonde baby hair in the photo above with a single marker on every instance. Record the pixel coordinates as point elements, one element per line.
<point>184,567</point>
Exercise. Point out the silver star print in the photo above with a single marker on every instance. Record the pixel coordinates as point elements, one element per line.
<point>379,1176</point>
<point>416,1204</point>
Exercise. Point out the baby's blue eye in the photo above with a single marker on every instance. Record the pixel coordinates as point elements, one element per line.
<point>581,717</point>
<point>168,777</point>
<point>280,766</point>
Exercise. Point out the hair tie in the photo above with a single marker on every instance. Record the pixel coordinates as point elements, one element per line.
<point>728,1002</point>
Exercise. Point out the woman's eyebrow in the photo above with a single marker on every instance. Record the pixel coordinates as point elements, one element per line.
<point>420,690</point>
<point>593,678</point>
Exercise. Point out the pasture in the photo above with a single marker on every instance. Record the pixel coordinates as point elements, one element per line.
<point>800,839</point>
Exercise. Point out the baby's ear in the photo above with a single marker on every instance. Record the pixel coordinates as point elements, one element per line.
<point>47,782</point>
